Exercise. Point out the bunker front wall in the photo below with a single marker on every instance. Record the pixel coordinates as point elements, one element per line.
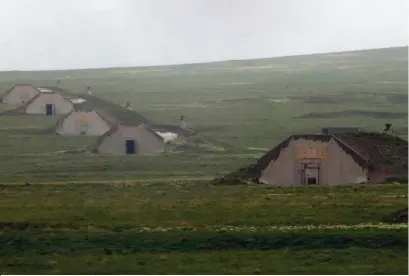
<point>20,95</point>
<point>83,123</point>
<point>329,163</point>
<point>61,106</point>
<point>145,141</point>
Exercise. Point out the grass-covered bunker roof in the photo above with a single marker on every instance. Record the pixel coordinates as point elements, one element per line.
<point>121,114</point>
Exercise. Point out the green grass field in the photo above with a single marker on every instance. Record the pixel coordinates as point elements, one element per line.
<point>176,227</point>
<point>66,210</point>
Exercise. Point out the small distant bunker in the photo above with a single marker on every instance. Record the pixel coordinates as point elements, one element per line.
<point>49,104</point>
<point>20,94</point>
<point>87,123</point>
<point>128,139</point>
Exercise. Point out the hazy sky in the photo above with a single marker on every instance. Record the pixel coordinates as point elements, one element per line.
<point>60,34</point>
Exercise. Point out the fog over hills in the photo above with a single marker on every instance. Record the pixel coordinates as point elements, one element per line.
<point>46,34</point>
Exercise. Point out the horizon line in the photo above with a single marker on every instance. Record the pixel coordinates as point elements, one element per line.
<point>201,62</point>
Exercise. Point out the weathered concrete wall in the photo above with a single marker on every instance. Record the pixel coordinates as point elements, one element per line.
<point>146,142</point>
<point>281,172</point>
<point>341,168</point>
<point>337,169</point>
<point>20,94</point>
<point>62,106</point>
<point>90,123</point>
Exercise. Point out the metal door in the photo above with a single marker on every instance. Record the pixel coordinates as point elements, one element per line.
<point>48,109</point>
<point>130,146</point>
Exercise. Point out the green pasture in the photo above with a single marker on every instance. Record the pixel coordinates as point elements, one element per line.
<point>190,227</point>
<point>239,109</point>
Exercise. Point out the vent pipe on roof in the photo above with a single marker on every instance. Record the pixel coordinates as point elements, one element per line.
<point>182,123</point>
<point>89,92</point>
<point>388,129</point>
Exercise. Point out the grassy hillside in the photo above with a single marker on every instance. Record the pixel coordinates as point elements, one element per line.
<point>238,108</point>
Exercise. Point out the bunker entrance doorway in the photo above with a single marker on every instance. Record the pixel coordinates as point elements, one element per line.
<point>310,174</point>
<point>49,109</point>
<point>130,146</point>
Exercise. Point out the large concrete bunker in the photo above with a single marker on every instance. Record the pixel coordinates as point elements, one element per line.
<point>317,159</point>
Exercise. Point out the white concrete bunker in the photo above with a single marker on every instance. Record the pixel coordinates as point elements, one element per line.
<point>130,139</point>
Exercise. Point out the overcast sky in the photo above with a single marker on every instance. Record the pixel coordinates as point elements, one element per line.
<point>61,34</point>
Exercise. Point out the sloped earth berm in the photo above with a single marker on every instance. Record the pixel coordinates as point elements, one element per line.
<point>246,175</point>
<point>400,216</point>
<point>387,153</point>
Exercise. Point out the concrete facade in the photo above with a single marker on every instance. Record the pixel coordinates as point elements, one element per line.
<point>146,140</point>
<point>59,105</point>
<point>82,123</point>
<point>19,95</point>
<point>294,166</point>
